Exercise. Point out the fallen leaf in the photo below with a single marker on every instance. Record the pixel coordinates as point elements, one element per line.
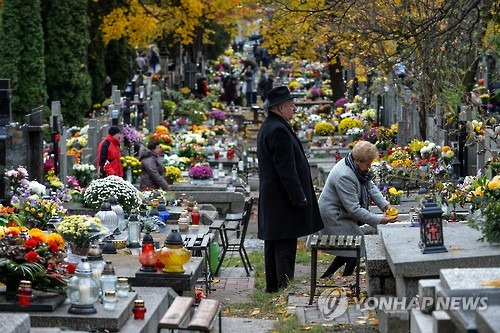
<point>255,312</point>
<point>456,248</point>
<point>494,283</point>
<point>454,252</point>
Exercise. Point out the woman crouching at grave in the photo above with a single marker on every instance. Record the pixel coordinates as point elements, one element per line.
<point>153,171</point>
<point>345,201</point>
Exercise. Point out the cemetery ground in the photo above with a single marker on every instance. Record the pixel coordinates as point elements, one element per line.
<point>248,308</point>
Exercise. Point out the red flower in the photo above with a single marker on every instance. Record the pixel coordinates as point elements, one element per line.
<point>53,247</point>
<point>30,243</point>
<point>71,268</point>
<point>32,256</point>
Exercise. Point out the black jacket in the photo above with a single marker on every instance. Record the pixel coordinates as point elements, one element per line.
<point>285,181</point>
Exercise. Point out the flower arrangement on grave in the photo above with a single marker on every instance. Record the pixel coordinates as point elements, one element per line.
<point>198,117</point>
<point>185,91</point>
<point>385,138</point>
<point>340,102</point>
<point>394,196</point>
<point>81,230</point>
<point>485,98</point>
<point>324,109</point>
<point>447,155</point>
<point>26,198</point>
<point>54,181</point>
<point>218,115</point>
<point>369,115</point>
<point>476,127</point>
<point>370,135</point>
<point>84,173</point>
<point>487,217</point>
<point>100,190</point>
<point>201,172</point>
<point>178,161</point>
<point>220,129</point>
<point>324,128</point>
<point>130,136</point>
<point>348,123</point>
<point>192,138</point>
<point>162,135</point>
<point>326,92</point>
<point>33,256</point>
<point>294,85</point>
<point>203,131</point>
<point>173,173</point>
<point>74,189</point>
<point>313,93</point>
<point>355,132</point>
<point>133,164</point>
<point>430,149</point>
<point>9,217</point>
<point>399,153</point>
<point>168,108</point>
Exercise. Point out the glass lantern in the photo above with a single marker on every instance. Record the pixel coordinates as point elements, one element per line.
<point>108,217</point>
<point>134,231</point>
<point>162,211</point>
<point>83,290</point>
<point>148,256</point>
<point>109,280</point>
<point>431,229</point>
<point>154,208</point>
<point>96,261</point>
<point>115,206</point>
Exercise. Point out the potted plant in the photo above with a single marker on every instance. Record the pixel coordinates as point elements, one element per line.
<point>172,174</point>
<point>201,174</point>
<point>101,189</point>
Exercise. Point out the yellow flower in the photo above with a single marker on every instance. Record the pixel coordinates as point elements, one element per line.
<point>478,192</point>
<point>494,184</point>
<point>393,191</point>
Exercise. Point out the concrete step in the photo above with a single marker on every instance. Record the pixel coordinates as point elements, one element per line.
<point>246,325</point>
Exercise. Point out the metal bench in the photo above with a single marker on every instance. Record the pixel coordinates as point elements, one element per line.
<point>333,242</point>
<point>199,245</point>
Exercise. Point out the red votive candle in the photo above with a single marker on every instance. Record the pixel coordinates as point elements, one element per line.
<point>24,293</point>
<point>139,310</point>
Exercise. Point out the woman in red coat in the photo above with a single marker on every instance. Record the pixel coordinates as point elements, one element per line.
<point>109,154</point>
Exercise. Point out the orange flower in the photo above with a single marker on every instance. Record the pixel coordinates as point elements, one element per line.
<point>446,149</point>
<point>37,235</point>
<point>57,239</point>
<point>14,231</point>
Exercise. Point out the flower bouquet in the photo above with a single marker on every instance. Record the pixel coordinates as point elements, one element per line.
<point>487,218</point>
<point>200,174</point>
<point>100,190</point>
<point>85,173</point>
<point>33,256</point>
<point>218,115</point>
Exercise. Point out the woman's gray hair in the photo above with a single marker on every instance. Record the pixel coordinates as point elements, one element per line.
<point>364,151</point>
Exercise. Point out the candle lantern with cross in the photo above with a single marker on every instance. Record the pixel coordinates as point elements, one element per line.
<point>431,228</point>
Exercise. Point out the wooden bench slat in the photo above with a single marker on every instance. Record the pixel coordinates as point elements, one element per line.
<point>349,241</point>
<point>314,241</point>
<point>217,224</point>
<point>232,225</point>
<point>324,240</point>
<point>176,312</point>
<point>234,217</point>
<point>341,240</point>
<point>357,241</point>
<point>192,240</point>
<point>205,241</point>
<point>204,314</point>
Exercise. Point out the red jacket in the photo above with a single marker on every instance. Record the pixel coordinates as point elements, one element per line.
<point>108,157</point>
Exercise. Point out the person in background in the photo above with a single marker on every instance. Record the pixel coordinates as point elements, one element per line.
<point>202,87</point>
<point>268,86</point>
<point>153,171</point>
<point>288,208</point>
<point>109,154</point>
<point>345,200</point>
<point>249,81</point>
<point>231,90</point>
<point>108,87</point>
<point>261,84</point>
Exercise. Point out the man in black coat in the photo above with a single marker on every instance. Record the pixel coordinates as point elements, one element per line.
<point>288,208</point>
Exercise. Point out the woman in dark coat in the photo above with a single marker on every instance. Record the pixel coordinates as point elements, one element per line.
<point>153,171</point>
<point>288,208</point>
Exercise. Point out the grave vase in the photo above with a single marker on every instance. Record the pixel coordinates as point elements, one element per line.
<point>128,174</point>
<point>75,253</point>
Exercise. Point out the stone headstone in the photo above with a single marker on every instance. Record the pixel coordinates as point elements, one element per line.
<point>35,128</point>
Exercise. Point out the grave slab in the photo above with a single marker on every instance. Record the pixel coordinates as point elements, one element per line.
<point>15,322</point>
<point>420,322</point>
<point>487,320</point>
<point>464,251</point>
